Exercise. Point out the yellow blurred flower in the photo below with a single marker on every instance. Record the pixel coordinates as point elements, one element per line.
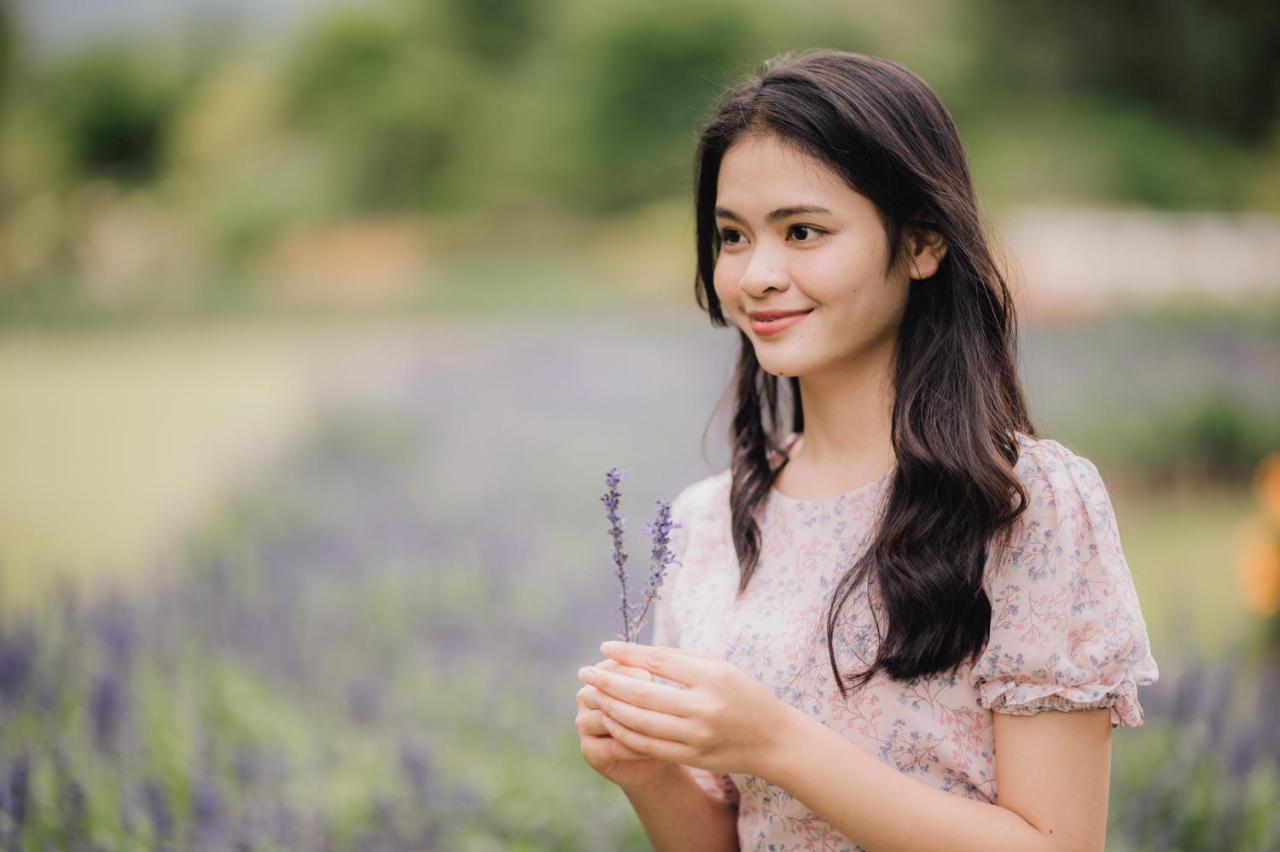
<point>1258,575</point>
<point>1267,485</point>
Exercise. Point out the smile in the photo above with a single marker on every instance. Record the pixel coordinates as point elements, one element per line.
<point>768,328</point>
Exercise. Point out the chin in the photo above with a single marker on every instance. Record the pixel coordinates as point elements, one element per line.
<point>781,369</point>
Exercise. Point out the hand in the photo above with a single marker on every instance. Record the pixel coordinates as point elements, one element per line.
<point>718,718</point>
<point>624,767</point>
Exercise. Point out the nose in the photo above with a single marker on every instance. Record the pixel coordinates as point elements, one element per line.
<point>766,270</point>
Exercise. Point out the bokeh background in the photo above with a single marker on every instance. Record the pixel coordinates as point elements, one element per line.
<point>320,324</point>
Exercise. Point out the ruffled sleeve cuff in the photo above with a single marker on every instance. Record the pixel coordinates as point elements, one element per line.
<point>718,785</point>
<point>1023,699</point>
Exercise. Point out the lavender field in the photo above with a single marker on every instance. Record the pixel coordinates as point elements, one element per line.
<point>372,644</point>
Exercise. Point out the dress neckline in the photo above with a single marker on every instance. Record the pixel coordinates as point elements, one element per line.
<point>880,480</point>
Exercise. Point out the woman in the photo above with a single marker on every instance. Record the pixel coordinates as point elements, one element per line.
<point>894,505</point>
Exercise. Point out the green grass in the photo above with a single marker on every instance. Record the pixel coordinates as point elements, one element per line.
<point>112,442</point>
<point>1181,550</point>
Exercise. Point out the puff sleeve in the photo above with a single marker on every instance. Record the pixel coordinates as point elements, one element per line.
<point>1067,631</point>
<point>666,632</point>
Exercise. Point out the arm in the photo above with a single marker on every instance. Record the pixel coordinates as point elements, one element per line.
<point>1052,768</point>
<point>678,814</point>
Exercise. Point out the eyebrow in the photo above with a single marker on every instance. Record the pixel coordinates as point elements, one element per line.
<point>780,213</point>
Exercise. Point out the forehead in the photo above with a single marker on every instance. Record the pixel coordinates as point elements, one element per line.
<point>764,170</point>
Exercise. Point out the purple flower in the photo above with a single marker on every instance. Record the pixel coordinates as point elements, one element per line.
<point>633,617</point>
<point>17,661</point>
<point>610,499</point>
<point>156,801</point>
<point>245,766</point>
<point>75,810</point>
<point>661,557</point>
<point>206,806</point>
<point>106,711</point>
<point>363,700</point>
<point>416,766</point>
<point>114,623</point>
<point>20,789</point>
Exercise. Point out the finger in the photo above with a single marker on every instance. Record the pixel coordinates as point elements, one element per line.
<point>645,745</point>
<point>687,652</point>
<point>590,698</point>
<point>589,719</point>
<point>591,706</point>
<point>686,667</point>
<point>651,695</point>
<point>641,720</point>
<point>610,749</point>
<point>591,723</point>
<point>630,671</point>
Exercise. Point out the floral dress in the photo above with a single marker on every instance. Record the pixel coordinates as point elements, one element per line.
<point>1067,632</point>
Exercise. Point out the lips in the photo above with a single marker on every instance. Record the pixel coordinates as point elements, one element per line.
<point>769,323</point>
<point>773,315</point>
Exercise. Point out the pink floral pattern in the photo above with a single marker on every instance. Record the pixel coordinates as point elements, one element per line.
<point>1067,632</point>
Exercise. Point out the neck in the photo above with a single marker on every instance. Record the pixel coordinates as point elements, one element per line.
<point>848,416</point>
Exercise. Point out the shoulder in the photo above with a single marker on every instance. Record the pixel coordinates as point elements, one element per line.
<point>1046,464</point>
<point>704,495</point>
<point>1062,486</point>
<point>1069,517</point>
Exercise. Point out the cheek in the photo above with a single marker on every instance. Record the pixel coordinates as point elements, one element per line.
<point>823,286</point>
<point>839,277</point>
<point>726,285</point>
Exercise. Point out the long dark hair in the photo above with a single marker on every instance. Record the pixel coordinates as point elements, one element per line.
<point>958,404</point>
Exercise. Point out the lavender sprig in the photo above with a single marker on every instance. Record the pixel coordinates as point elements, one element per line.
<point>611,499</point>
<point>661,555</point>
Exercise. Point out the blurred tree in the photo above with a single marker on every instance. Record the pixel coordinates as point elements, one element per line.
<point>1204,64</point>
<point>646,75</point>
<point>391,98</point>
<point>7,42</point>
<point>499,33</point>
<point>110,109</point>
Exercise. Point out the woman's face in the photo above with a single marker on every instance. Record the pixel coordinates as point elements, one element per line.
<point>796,237</point>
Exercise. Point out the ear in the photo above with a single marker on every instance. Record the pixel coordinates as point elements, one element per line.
<point>927,249</point>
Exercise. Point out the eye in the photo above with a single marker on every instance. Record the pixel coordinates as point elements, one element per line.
<point>724,236</point>
<point>815,231</point>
